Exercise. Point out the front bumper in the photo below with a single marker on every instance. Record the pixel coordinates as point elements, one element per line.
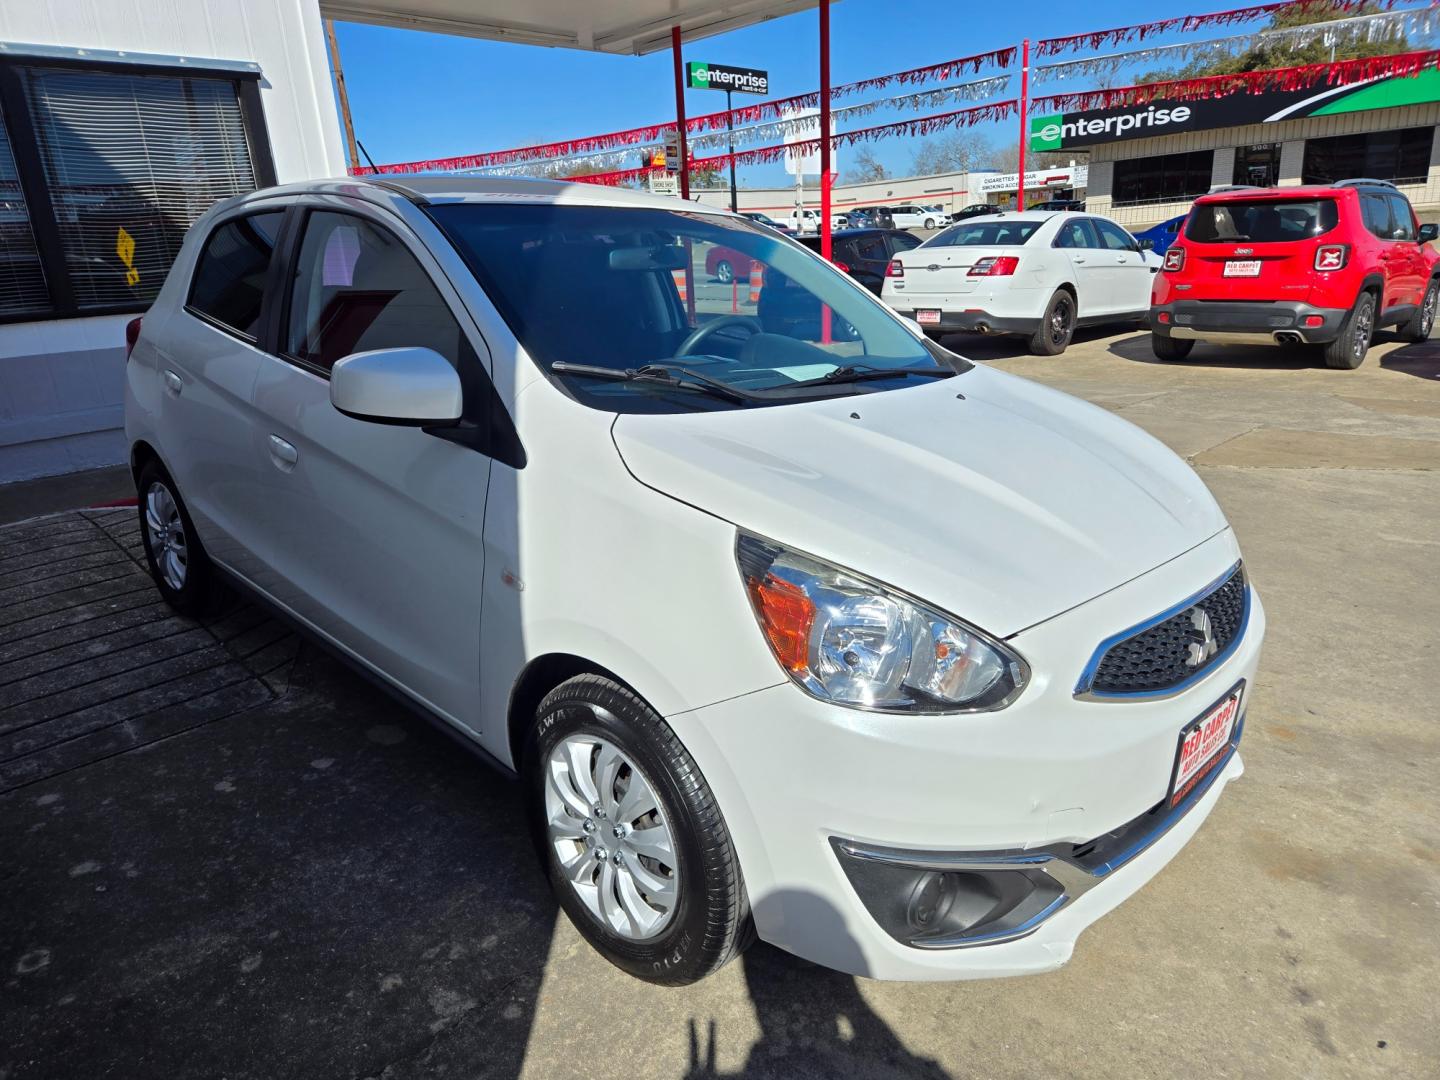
<point>795,777</point>
<point>1247,322</point>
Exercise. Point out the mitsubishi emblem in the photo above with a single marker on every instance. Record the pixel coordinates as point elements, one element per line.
<point>1202,644</point>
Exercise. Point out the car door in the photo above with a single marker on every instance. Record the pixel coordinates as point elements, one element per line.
<point>1407,258</point>
<point>373,533</point>
<point>868,258</point>
<point>207,367</point>
<point>1375,210</point>
<point>1080,243</point>
<point>1127,268</point>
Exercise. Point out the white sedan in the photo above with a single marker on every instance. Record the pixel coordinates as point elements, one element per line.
<point>1040,274</point>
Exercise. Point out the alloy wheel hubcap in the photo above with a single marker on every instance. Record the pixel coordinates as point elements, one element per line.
<point>610,835</point>
<point>165,533</point>
<point>1428,319</point>
<point>1362,330</point>
<point>1060,322</point>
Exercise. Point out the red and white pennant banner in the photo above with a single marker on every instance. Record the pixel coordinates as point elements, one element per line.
<point>1304,77</point>
<point>1186,23</point>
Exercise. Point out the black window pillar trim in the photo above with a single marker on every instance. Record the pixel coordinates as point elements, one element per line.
<point>30,167</point>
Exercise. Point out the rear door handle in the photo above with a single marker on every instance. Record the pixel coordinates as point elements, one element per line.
<point>284,454</point>
<point>1078,258</point>
<point>173,382</point>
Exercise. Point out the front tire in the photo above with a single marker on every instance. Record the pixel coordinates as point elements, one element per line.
<point>929,223</point>
<point>1417,328</point>
<point>1057,326</point>
<point>631,837</point>
<point>1348,350</point>
<point>182,571</point>
<point>1168,348</point>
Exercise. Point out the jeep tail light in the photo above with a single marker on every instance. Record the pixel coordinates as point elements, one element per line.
<point>844,267</point>
<point>1175,259</point>
<point>132,335</point>
<point>995,266</point>
<point>1331,256</point>
<point>895,269</point>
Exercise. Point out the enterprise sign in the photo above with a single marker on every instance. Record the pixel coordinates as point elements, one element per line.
<point>703,76</point>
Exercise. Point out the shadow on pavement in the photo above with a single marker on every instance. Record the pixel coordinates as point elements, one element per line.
<point>1265,357</point>
<point>814,1022</point>
<point>1421,360</point>
<point>1004,346</point>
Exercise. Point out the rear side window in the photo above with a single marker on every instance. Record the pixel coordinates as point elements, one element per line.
<point>1402,218</point>
<point>229,281</point>
<point>1007,232</point>
<point>1076,233</point>
<point>357,288</point>
<point>1376,212</point>
<point>871,248</point>
<point>1261,221</point>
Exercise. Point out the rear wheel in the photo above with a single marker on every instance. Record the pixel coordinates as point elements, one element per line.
<point>177,561</point>
<point>1169,348</point>
<point>1057,326</point>
<point>1419,325</point>
<point>1348,350</point>
<point>724,272</point>
<point>631,837</point>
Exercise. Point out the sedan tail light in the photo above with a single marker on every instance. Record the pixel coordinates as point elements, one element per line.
<point>1332,256</point>
<point>895,269</point>
<point>842,266</point>
<point>995,266</point>
<point>1175,259</point>
<point>132,335</point>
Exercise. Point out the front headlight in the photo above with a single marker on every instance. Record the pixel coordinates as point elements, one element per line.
<point>850,640</point>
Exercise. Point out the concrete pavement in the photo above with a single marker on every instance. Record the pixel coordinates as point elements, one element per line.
<point>268,871</point>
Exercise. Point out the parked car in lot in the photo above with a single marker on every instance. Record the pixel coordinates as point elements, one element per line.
<point>865,253</point>
<point>767,220</point>
<point>1163,235</point>
<point>1322,266</point>
<point>1060,204</point>
<point>871,217</point>
<point>725,264</point>
<point>804,221</point>
<point>786,622</point>
<point>1039,274</point>
<point>917,217</point>
<point>973,210</point>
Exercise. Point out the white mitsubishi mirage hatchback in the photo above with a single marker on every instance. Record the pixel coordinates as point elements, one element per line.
<point>791,622</point>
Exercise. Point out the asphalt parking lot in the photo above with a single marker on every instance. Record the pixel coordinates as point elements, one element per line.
<point>222,855</point>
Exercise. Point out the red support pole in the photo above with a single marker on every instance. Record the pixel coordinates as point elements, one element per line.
<point>825,239</point>
<point>680,111</point>
<point>1024,109</point>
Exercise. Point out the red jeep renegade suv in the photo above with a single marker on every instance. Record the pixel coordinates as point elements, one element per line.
<point>1322,266</point>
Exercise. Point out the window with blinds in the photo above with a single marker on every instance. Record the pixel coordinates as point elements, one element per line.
<point>130,161</point>
<point>22,278</point>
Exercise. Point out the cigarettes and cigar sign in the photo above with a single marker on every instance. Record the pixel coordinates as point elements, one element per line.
<point>720,77</point>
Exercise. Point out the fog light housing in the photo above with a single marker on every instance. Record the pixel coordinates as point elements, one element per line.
<point>936,900</point>
<point>1163,317</point>
<point>1314,320</point>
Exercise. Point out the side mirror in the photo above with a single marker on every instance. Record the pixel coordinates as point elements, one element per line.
<point>408,386</point>
<point>1144,244</point>
<point>1429,233</point>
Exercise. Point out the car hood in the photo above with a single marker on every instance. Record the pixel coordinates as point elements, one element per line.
<point>999,500</point>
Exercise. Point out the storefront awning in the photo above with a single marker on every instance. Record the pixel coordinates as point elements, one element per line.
<point>614,26</point>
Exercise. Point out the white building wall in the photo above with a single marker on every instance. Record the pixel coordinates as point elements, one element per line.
<point>61,380</point>
<point>946,190</point>
<point>1291,134</point>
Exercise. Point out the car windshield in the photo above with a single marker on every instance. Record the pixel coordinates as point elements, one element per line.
<point>1002,232</point>
<point>625,287</point>
<point>1261,221</point>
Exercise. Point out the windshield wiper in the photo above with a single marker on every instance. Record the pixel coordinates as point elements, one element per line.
<point>851,373</point>
<point>666,374</point>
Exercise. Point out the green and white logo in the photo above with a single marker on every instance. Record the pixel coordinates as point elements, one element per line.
<point>1046,131</point>
<point>699,75</point>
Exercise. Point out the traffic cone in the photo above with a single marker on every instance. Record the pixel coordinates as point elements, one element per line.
<point>757,281</point>
<point>679,276</point>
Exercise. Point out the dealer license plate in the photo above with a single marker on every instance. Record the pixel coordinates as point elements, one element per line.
<point>1202,744</point>
<point>1242,267</point>
<point>930,316</point>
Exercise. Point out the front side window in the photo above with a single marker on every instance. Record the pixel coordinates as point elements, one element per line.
<point>229,280</point>
<point>620,288</point>
<point>1376,212</point>
<point>357,287</point>
<point>1263,221</point>
<point>1001,232</point>
<point>903,242</point>
<point>131,161</point>
<point>1112,236</point>
<point>1076,233</point>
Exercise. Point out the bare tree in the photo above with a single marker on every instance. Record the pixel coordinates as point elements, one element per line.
<point>954,151</point>
<point>1005,158</point>
<point>865,167</point>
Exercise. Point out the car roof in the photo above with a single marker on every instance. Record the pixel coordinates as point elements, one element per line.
<point>1306,191</point>
<point>426,190</point>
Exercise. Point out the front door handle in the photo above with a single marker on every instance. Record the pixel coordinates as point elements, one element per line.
<point>1078,258</point>
<point>284,454</point>
<point>173,382</point>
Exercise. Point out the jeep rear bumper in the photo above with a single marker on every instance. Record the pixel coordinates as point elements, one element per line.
<point>1247,322</point>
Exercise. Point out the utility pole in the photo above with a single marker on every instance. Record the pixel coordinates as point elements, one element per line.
<point>350,152</point>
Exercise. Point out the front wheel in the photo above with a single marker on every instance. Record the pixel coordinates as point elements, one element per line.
<point>1348,350</point>
<point>1169,348</point>
<point>724,272</point>
<point>630,835</point>
<point>1057,326</point>
<point>1417,328</point>
<point>929,223</point>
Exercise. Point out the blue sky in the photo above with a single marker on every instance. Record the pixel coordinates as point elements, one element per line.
<point>416,95</point>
